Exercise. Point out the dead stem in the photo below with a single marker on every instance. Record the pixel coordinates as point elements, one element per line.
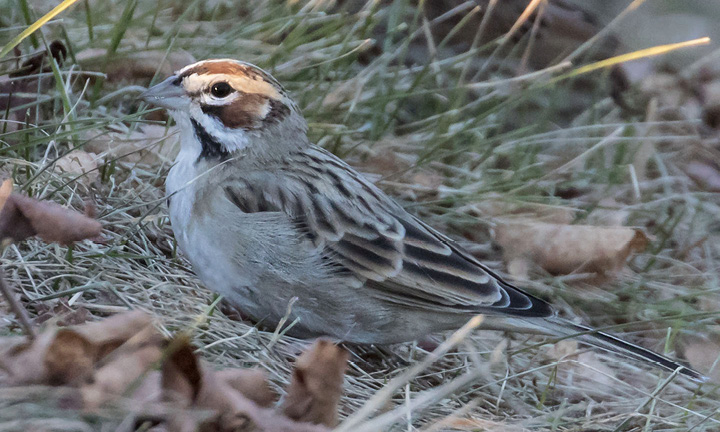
<point>16,307</point>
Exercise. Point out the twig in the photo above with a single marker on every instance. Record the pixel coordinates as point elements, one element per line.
<point>16,307</point>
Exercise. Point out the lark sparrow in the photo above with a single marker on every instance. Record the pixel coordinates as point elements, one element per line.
<point>269,219</point>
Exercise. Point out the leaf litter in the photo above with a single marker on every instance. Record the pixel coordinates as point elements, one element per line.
<point>125,357</point>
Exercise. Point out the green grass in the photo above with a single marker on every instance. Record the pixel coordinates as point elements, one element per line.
<point>370,81</point>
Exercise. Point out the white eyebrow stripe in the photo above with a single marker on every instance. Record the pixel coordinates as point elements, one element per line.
<point>198,83</point>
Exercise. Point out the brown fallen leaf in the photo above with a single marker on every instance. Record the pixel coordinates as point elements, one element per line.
<point>703,354</point>
<point>316,386</point>
<point>112,332</point>
<point>69,355</point>
<point>34,63</point>
<point>495,205</point>
<point>237,412</point>
<point>181,373</point>
<point>136,65</point>
<point>56,357</point>
<point>5,191</point>
<point>474,424</point>
<point>119,374</point>
<point>193,384</point>
<point>113,361</point>
<point>103,359</point>
<point>70,358</point>
<point>23,361</point>
<point>705,175</point>
<point>22,217</point>
<point>60,313</point>
<point>253,383</point>
<point>117,327</point>
<point>13,224</point>
<point>80,164</point>
<point>585,374</point>
<point>150,144</point>
<point>127,355</point>
<point>23,86</point>
<point>564,249</point>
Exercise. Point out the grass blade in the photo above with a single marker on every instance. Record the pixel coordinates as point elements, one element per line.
<point>635,55</point>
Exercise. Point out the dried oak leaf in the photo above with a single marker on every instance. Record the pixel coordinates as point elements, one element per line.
<point>314,392</point>
<point>70,358</point>
<point>22,217</point>
<point>55,357</point>
<point>136,65</point>
<point>20,89</point>
<point>69,355</point>
<point>22,361</point>
<point>5,191</point>
<point>564,249</point>
<point>253,383</point>
<point>455,423</point>
<point>119,374</point>
<point>112,332</point>
<point>192,384</point>
<point>149,144</point>
<point>34,63</point>
<point>706,175</point>
<point>129,347</point>
<point>79,164</point>
<point>60,313</point>
<point>585,374</point>
<point>703,354</point>
<point>181,372</point>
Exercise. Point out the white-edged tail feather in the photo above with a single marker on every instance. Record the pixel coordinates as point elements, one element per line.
<point>613,344</point>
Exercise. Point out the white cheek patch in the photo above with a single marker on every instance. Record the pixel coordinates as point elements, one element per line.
<point>264,110</point>
<point>231,139</point>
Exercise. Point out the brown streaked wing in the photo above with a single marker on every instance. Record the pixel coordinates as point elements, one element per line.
<point>400,258</point>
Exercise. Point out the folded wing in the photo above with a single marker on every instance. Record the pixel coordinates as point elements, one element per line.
<point>387,251</point>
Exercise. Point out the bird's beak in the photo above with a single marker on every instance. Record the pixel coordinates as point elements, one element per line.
<point>167,94</point>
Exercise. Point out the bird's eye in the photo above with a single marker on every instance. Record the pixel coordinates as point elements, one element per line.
<point>221,89</point>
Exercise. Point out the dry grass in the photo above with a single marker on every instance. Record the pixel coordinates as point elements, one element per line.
<point>415,108</point>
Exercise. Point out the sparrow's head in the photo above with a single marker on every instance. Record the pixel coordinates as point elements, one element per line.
<point>226,104</point>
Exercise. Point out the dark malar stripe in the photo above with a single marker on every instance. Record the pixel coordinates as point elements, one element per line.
<point>211,148</point>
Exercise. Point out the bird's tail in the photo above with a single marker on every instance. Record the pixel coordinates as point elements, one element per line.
<point>616,345</point>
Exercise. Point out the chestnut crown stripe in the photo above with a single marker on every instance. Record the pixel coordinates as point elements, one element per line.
<point>217,67</point>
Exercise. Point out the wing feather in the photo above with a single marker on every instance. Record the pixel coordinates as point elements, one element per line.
<point>394,255</point>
